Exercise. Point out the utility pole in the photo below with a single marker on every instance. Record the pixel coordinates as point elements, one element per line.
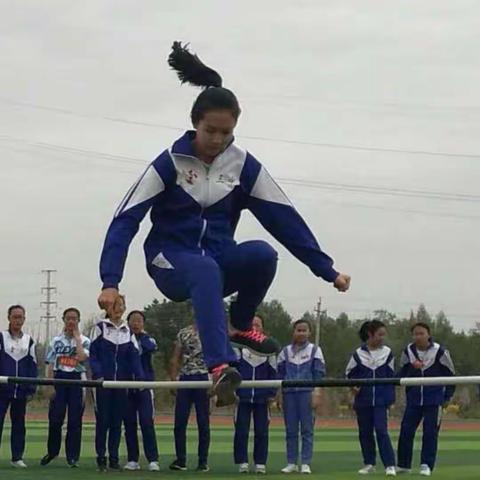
<point>48,291</point>
<point>318,316</point>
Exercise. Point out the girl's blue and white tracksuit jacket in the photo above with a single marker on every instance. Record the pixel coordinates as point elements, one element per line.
<point>253,402</point>
<point>114,355</point>
<point>191,252</point>
<point>372,403</point>
<point>305,362</point>
<point>424,402</point>
<point>17,359</point>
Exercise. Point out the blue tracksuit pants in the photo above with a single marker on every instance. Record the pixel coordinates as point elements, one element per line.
<point>185,399</point>
<point>110,409</point>
<point>412,417</point>
<point>370,420</point>
<point>247,268</point>
<point>261,421</point>
<point>17,417</point>
<point>140,409</point>
<point>299,419</point>
<point>71,399</point>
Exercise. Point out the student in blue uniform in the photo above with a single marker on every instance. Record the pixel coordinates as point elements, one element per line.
<point>196,191</point>
<point>17,359</point>
<point>114,355</point>
<point>141,406</point>
<point>423,358</point>
<point>373,359</point>
<point>66,358</point>
<point>187,364</point>
<point>301,360</point>
<point>253,402</point>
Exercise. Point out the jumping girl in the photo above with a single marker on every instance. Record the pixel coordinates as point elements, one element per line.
<point>195,192</point>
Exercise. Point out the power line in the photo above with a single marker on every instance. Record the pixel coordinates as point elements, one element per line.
<point>331,145</point>
<point>367,189</point>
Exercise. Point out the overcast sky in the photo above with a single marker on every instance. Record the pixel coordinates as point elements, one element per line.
<point>86,99</point>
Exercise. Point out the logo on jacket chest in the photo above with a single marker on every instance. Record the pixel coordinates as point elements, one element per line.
<point>226,179</point>
<point>190,176</point>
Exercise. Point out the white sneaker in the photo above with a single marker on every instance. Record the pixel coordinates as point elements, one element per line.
<point>261,469</point>
<point>305,468</point>
<point>425,470</point>
<point>290,468</point>
<point>152,467</point>
<point>367,470</point>
<point>390,472</point>
<point>132,466</point>
<point>19,464</point>
<point>401,470</point>
<point>243,468</point>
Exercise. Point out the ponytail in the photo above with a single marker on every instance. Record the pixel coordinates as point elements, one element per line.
<point>190,69</point>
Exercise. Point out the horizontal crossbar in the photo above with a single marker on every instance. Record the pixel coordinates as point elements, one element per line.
<point>173,385</point>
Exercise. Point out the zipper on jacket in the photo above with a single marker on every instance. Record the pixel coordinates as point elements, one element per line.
<point>16,374</point>
<point>116,356</point>
<point>253,390</point>
<point>421,391</point>
<point>202,234</point>
<point>207,202</point>
<point>373,396</point>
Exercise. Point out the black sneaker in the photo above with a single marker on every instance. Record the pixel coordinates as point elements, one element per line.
<point>102,464</point>
<point>202,467</point>
<point>46,460</point>
<point>114,466</point>
<point>258,343</point>
<point>72,463</point>
<point>226,380</point>
<point>176,465</point>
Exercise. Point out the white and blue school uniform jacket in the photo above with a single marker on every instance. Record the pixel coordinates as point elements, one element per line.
<point>436,363</point>
<point>114,353</point>
<point>254,367</point>
<point>378,363</point>
<point>147,346</point>
<point>62,353</point>
<point>196,208</point>
<point>305,362</point>
<point>17,359</point>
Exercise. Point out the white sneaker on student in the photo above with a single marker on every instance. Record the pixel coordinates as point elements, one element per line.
<point>425,470</point>
<point>305,468</point>
<point>390,472</point>
<point>261,469</point>
<point>367,470</point>
<point>290,468</point>
<point>243,468</point>
<point>19,464</point>
<point>132,466</point>
<point>401,470</point>
<point>153,467</point>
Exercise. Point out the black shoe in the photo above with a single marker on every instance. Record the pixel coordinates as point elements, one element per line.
<point>102,464</point>
<point>202,467</point>
<point>258,343</point>
<point>114,466</point>
<point>46,460</point>
<point>72,463</point>
<point>176,465</point>
<point>226,380</point>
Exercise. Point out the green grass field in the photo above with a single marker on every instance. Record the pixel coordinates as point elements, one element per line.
<point>336,456</point>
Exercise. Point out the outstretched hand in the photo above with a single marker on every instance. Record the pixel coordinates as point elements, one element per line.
<point>342,282</point>
<point>107,298</point>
